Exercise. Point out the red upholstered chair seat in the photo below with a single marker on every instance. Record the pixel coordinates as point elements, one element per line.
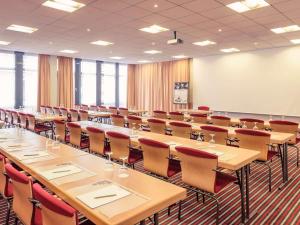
<point>134,156</point>
<point>85,143</point>
<point>9,190</point>
<point>222,180</point>
<point>41,128</point>
<point>38,217</point>
<point>174,167</point>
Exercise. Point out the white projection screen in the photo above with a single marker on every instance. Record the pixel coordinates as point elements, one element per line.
<point>262,81</point>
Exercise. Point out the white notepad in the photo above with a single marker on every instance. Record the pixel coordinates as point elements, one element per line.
<point>30,155</point>
<point>60,172</point>
<point>91,201</point>
<point>215,152</point>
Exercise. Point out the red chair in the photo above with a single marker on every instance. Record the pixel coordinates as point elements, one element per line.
<point>220,121</point>
<point>43,109</point>
<point>113,110</point>
<point>120,146</point>
<point>61,130</point>
<point>6,188</point>
<point>259,141</point>
<point>287,127</point>
<point>199,170</point>
<point>23,120</point>
<point>123,111</point>
<point>56,111</point>
<point>117,120</point>
<point>204,108</point>
<point>198,118</point>
<point>180,129</point>
<point>55,211</point>
<point>176,116</point>
<point>98,143</point>
<point>157,126</point>
<point>23,203</point>
<point>250,123</point>
<point>93,108</point>
<point>83,115</point>
<point>220,134</point>
<point>2,115</point>
<point>37,127</point>
<point>102,108</point>
<point>134,120</point>
<point>49,110</point>
<point>157,158</point>
<point>64,112</point>
<point>160,114</point>
<point>15,118</point>
<point>9,117</point>
<point>74,115</point>
<point>84,107</point>
<point>77,138</point>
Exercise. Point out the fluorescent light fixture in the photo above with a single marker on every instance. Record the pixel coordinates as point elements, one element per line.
<point>4,43</point>
<point>227,50</point>
<point>102,43</point>
<point>154,29</point>
<point>20,28</point>
<point>116,57</point>
<point>281,30</point>
<point>64,5</point>
<point>152,52</point>
<point>204,43</point>
<point>179,56</point>
<point>144,61</point>
<point>296,41</point>
<point>68,51</point>
<point>247,5</point>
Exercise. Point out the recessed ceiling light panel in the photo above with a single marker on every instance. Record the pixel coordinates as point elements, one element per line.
<point>281,30</point>
<point>228,50</point>
<point>295,41</point>
<point>143,61</point>
<point>247,5</point>
<point>20,28</point>
<point>204,43</point>
<point>102,43</point>
<point>64,5</point>
<point>4,43</point>
<point>180,56</point>
<point>154,29</point>
<point>68,51</point>
<point>152,52</point>
<point>116,57</point>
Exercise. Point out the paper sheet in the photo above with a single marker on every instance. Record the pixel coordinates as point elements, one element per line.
<point>24,155</point>
<point>60,172</point>
<point>90,198</point>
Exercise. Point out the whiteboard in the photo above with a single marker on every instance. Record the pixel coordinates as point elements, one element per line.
<point>262,82</point>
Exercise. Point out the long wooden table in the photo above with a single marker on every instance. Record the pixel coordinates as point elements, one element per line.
<point>231,158</point>
<point>148,194</point>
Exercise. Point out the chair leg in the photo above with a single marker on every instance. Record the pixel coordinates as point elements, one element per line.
<point>8,212</point>
<point>179,210</point>
<point>16,221</point>
<point>270,176</point>
<point>217,215</point>
<point>203,199</point>
<point>197,196</point>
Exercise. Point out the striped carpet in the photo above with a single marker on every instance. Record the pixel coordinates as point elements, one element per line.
<point>277,207</point>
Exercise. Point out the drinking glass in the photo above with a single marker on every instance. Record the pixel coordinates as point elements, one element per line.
<point>199,138</point>
<point>108,162</point>
<point>212,141</point>
<point>270,117</point>
<point>244,125</point>
<point>255,126</point>
<point>123,169</point>
<point>49,143</point>
<point>133,131</point>
<point>282,117</point>
<point>56,143</point>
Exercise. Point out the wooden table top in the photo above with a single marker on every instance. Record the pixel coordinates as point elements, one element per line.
<point>232,158</point>
<point>148,194</point>
<point>276,137</point>
<point>189,111</point>
<point>99,114</point>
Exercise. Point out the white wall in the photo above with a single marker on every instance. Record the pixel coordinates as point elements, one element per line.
<point>262,82</point>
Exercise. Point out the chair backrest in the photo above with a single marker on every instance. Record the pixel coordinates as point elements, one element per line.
<point>9,116</point>
<point>203,107</point>
<point>156,156</point>
<point>3,178</point>
<point>250,123</point>
<point>254,140</point>
<point>22,186</point>
<point>198,168</point>
<point>285,127</point>
<point>220,121</point>
<point>119,144</point>
<point>31,122</point>
<point>157,126</point>
<point>15,117</point>
<point>220,134</point>
<point>75,133</point>
<point>117,120</point>
<point>84,115</point>
<point>2,115</point>
<point>93,108</point>
<point>97,138</point>
<point>64,111</point>
<point>60,129</point>
<point>84,107</point>
<point>113,110</point>
<point>181,129</point>
<point>134,120</point>
<point>43,109</point>
<point>74,115</point>
<point>199,118</point>
<point>176,116</point>
<point>102,108</point>
<point>49,110</point>
<point>23,119</point>
<point>54,211</point>
<point>56,111</point>
<point>123,111</point>
<point>160,114</point>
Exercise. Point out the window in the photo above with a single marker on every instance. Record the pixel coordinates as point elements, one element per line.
<point>123,85</point>
<point>7,80</point>
<point>88,82</point>
<point>30,81</point>
<point>108,84</point>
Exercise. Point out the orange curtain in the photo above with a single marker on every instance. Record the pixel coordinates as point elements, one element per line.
<point>65,82</point>
<point>44,89</point>
<point>151,86</point>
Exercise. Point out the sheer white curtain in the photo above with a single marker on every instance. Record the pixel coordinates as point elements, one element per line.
<point>88,82</point>
<point>123,85</point>
<point>108,84</point>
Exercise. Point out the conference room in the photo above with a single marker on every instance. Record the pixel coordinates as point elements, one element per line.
<point>149,112</point>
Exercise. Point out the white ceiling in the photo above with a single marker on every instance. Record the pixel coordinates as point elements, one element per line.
<point>118,21</point>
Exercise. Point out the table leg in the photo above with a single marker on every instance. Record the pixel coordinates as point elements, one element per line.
<point>142,222</point>
<point>285,172</point>
<point>242,194</point>
<point>156,219</point>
